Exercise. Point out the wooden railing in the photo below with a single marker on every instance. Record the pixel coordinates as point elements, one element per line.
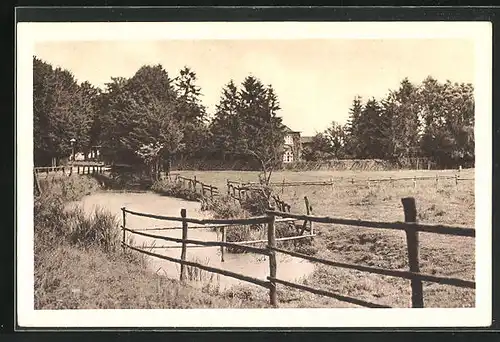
<point>239,191</point>
<point>410,227</point>
<point>335,181</point>
<point>206,190</point>
<point>242,191</point>
<point>69,169</point>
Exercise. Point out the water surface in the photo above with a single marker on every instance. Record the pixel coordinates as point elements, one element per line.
<point>249,264</point>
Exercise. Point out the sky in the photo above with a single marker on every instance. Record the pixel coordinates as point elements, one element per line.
<point>315,79</point>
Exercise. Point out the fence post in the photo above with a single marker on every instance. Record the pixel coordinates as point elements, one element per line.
<point>183,251</point>
<point>414,181</point>
<point>228,187</point>
<point>309,212</point>
<point>271,243</point>
<point>223,239</point>
<point>194,184</point>
<point>123,229</point>
<point>437,180</point>
<point>456,179</point>
<point>410,211</point>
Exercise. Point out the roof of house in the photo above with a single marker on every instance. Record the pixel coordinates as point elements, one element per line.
<point>288,130</point>
<point>305,139</point>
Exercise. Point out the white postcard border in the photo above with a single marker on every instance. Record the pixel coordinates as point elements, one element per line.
<point>28,34</point>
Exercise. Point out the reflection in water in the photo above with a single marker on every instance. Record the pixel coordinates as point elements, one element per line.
<point>249,264</point>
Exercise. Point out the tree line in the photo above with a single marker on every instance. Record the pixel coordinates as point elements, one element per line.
<point>431,120</point>
<point>153,118</point>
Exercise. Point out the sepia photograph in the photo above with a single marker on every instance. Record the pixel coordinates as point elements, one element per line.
<point>336,170</point>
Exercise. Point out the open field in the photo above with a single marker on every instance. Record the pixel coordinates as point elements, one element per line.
<point>445,203</point>
<point>219,178</point>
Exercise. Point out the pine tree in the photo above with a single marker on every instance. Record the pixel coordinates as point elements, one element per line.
<point>191,113</point>
<point>225,126</point>
<point>353,137</point>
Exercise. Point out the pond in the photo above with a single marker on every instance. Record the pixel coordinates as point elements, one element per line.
<point>249,264</point>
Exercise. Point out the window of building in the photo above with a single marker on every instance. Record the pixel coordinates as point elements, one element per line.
<point>288,140</point>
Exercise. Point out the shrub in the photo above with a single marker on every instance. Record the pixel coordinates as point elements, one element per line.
<point>49,223</point>
<point>101,229</point>
<point>167,188</point>
<point>225,207</point>
<point>129,179</point>
<point>68,188</point>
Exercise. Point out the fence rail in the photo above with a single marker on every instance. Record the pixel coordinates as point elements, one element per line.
<point>410,227</point>
<point>333,181</point>
<point>206,190</point>
<point>80,169</point>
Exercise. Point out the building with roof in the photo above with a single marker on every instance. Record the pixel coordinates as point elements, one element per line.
<point>293,145</point>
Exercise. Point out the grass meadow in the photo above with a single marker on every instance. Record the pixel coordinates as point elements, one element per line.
<point>443,202</point>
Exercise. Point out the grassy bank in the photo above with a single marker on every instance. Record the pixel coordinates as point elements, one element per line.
<point>80,265</point>
<point>444,202</point>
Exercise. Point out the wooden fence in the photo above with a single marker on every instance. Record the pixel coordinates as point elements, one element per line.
<point>333,181</point>
<point>410,227</point>
<point>56,171</point>
<point>69,169</point>
<point>242,191</point>
<point>206,190</point>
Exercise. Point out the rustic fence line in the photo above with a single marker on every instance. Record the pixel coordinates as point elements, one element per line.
<point>410,227</point>
<point>65,170</point>
<point>241,192</point>
<point>349,180</point>
<point>69,169</point>
<point>206,190</point>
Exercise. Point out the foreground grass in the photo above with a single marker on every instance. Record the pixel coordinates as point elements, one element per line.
<point>444,203</point>
<point>72,278</point>
<point>79,264</point>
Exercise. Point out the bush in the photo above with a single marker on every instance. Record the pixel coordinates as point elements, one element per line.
<point>98,230</point>
<point>225,207</point>
<point>167,188</point>
<point>125,179</point>
<point>55,224</point>
<point>49,223</point>
<point>256,204</point>
<point>68,188</point>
